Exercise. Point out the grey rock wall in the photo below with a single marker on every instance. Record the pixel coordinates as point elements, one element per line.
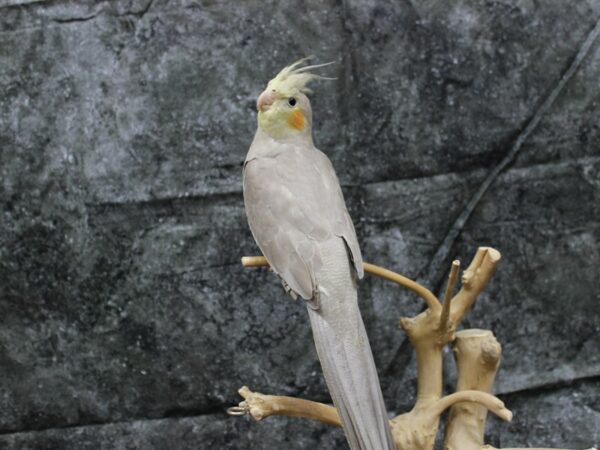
<point>126,320</point>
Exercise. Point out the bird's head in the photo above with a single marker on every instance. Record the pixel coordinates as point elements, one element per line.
<point>283,107</point>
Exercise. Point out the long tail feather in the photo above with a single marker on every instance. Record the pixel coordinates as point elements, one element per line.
<point>345,354</point>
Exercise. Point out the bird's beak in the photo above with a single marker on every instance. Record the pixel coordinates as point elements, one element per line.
<point>265,100</point>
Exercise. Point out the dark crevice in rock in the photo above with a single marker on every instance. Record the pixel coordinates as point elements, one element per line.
<point>437,265</point>
<point>76,19</point>
<point>175,413</point>
<point>215,197</point>
<point>170,414</point>
<point>348,69</point>
<point>550,386</point>
<point>46,5</point>
<point>167,201</point>
<point>23,3</point>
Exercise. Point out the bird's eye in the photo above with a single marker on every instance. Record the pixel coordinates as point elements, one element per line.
<point>291,101</point>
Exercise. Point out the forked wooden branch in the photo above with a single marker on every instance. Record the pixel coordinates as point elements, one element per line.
<point>428,333</point>
<point>474,280</point>
<point>477,356</point>
<point>260,406</point>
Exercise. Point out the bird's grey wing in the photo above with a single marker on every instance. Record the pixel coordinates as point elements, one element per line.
<point>340,220</point>
<point>283,224</point>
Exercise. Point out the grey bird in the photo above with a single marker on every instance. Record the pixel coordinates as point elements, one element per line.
<point>298,217</point>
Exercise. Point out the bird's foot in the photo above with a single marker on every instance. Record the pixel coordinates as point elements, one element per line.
<point>315,301</point>
<point>289,290</point>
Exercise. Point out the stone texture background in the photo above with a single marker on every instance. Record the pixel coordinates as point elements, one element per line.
<point>126,320</point>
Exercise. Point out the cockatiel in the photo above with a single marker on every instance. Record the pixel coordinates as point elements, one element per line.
<point>298,217</point>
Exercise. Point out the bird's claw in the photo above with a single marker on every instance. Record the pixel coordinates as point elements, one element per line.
<point>240,410</point>
<point>254,404</point>
<point>289,290</point>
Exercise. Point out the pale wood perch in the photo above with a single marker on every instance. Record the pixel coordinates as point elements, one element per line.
<point>477,357</point>
<point>372,269</point>
<point>477,354</point>
<point>428,333</point>
<point>260,406</point>
<point>473,281</point>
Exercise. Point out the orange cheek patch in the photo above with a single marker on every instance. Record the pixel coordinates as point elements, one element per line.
<point>296,120</point>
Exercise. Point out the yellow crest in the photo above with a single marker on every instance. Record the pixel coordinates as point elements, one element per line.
<point>295,79</point>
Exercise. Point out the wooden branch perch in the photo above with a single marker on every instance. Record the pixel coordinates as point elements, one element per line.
<point>420,290</point>
<point>477,354</point>
<point>483,399</point>
<point>474,280</point>
<point>428,333</point>
<point>261,406</point>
